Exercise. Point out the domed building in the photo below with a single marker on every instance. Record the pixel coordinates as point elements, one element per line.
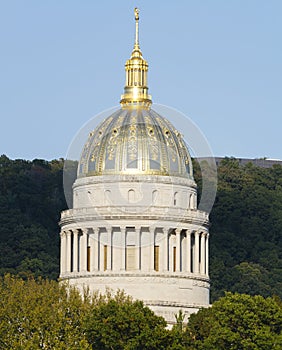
<point>134,223</point>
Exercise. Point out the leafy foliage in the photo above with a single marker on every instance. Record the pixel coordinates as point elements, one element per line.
<point>127,324</point>
<point>41,315</point>
<point>237,322</point>
<point>31,198</point>
<point>246,240</point>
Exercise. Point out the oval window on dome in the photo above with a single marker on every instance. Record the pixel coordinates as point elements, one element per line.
<point>154,196</point>
<point>131,196</point>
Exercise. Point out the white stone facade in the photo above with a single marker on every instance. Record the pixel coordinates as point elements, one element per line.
<point>139,233</point>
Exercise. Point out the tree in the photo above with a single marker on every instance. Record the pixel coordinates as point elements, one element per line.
<point>119,323</point>
<point>237,322</point>
<point>245,233</point>
<point>41,315</point>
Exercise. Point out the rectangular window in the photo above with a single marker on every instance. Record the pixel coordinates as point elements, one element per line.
<point>174,259</point>
<point>105,257</point>
<point>156,257</point>
<point>88,258</point>
<point>130,258</point>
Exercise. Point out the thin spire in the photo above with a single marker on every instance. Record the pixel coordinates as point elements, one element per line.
<point>136,13</point>
<point>136,68</point>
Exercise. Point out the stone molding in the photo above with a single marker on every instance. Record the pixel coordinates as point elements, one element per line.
<point>171,180</point>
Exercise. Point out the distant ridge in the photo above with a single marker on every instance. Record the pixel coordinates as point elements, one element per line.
<point>261,162</point>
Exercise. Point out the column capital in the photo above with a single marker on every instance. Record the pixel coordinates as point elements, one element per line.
<point>63,233</point>
<point>84,230</point>
<point>178,230</point>
<point>123,229</point>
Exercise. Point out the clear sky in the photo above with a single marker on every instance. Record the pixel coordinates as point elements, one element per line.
<point>217,61</point>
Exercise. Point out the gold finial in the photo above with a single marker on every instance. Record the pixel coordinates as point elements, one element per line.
<point>136,68</point>
<point>136,13</point>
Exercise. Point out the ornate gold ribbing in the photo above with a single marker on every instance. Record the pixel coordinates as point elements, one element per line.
<point>136,68</point>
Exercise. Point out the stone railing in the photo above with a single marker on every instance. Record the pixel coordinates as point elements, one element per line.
<point>132,212</point>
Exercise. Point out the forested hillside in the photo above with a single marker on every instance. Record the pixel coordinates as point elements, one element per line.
<point>245,233</point>
<point>246,230</point>
<point>31,198</point>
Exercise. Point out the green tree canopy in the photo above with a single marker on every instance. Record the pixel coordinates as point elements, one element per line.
<point>237,322</point>
<point>123,324</point>
<point>41,315</point>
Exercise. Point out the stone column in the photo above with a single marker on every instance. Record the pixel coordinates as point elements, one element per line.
<point>170,252</point>
<point>75,250</point>
<point>196,255</point>
<point>207,254</point>
<point>178,253</point>
<point>63,252</point>
<point>203,254</point>
<point>116,255</point>
<point>164,248</point>
<point>146,249</point>
<point>100,251</point>
<point>138,246</point>
<point>95,253</point>
<point>188,251</point>
<point>123,247</point>
<point>152,247</point>
<point>68,264</point>
<point>109,248</point>
<point>83,250</point>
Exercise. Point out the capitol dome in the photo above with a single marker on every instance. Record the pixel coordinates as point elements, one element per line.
<point>135,141</point>
<point>135,225</point>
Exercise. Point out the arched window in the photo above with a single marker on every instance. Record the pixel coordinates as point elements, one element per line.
<point>191,201</point>
<point>131,196</point>
<point>107,198</point>
<point>175,199</point>
<point>154,196</point>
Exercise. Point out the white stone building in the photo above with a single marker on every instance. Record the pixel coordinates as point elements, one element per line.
<point>134,223</point>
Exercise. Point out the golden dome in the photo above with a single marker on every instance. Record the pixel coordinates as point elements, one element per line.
<point>135,139</point>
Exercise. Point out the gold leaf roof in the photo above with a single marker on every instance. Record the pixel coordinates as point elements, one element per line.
<point>135,141</point>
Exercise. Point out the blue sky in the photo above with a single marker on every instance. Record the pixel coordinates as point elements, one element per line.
<point>219,62</point>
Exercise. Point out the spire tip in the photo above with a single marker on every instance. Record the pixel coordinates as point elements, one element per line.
<point>136,13</point>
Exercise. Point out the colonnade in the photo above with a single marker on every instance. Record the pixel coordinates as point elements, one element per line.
<point>136,76</point>
<point>166,250</point>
